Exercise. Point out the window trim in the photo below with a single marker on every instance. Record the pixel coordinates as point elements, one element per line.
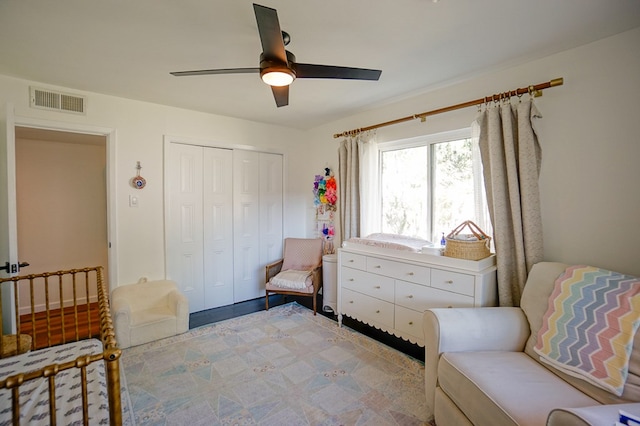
<point>450,135</point>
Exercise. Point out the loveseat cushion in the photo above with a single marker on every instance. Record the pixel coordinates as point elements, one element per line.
<point>534,303</point>
<point>504,388</point>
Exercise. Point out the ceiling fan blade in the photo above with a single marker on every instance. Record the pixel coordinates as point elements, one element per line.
<point>218,71</point>
<point>270,33</point>
<point>281,95</point>
<point>331,71</point>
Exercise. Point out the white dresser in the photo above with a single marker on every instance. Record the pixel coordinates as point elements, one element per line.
<point>391,289</point>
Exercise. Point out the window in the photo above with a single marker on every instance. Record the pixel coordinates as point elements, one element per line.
<point>430,185</point>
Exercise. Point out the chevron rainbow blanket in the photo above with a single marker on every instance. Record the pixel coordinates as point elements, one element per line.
<point>590,324</point>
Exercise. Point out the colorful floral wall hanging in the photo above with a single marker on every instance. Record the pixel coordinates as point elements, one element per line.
<point>325,193</point>
<point>325,190</point>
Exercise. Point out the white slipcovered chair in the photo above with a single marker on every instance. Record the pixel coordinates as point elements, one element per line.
<point>299,272</point>
<point>148,311</point>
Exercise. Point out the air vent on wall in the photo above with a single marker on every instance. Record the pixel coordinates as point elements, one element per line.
<point>57,101</point>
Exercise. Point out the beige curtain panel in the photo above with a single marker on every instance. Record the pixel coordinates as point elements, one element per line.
<point>511,158</point>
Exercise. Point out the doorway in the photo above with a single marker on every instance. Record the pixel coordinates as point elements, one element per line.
<point>61,200</point>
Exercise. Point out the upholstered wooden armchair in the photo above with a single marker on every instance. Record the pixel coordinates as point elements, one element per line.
<point>299,272</point>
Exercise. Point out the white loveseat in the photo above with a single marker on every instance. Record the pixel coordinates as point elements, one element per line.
<point>481,369</point>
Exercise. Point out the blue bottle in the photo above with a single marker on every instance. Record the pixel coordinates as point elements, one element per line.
<point>443,241</point>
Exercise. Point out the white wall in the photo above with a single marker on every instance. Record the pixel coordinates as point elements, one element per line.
<point>140,128</point>
<point>590,177</point>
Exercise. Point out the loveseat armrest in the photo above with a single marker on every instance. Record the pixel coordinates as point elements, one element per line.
<point>180,304</point>
<point>466,330</point>
<point>121,314</point>
<point>595,415</point>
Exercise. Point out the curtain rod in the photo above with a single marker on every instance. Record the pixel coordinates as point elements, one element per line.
<point>533,89</point>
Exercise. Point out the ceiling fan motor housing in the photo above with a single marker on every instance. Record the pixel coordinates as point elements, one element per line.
<point>268,65</point>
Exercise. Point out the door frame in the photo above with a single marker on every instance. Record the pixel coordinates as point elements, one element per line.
<point>110,135</point>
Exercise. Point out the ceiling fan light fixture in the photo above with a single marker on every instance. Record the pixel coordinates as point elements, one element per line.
<point>277,76</point>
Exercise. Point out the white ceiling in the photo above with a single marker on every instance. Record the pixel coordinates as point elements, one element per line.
<point>127,48</point>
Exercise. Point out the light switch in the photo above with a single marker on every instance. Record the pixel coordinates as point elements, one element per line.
<point>133,201</point>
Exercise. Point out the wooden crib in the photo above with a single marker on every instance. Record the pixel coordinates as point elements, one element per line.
<point>62,364</point>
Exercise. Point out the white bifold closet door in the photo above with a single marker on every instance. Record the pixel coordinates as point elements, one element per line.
<point>257,181</point>
<point>224,222</point>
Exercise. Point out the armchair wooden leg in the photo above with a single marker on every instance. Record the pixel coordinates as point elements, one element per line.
<point>314,304</point>
<point>266,301</point>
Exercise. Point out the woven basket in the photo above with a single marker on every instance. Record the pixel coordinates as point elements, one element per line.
<point>470,250</point>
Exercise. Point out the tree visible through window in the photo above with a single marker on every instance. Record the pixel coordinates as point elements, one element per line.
<point>430,187</point>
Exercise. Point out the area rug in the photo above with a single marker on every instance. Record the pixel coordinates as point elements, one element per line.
<point>279,367</point>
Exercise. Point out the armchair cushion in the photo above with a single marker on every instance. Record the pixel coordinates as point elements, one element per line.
<point>292,279</point>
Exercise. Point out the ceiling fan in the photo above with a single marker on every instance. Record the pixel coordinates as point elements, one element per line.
<point>278,67</point>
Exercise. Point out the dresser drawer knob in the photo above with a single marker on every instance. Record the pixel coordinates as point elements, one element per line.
<point>351,279</point>
<point>378,311</point>
<point>450,306</point>
<point>449,281</point>
<point>377,287</point>
<point>377,266</point>
<point>410,274</point>
<point>351,301</point>
<point>351,260</point>
<point>410,296</point>
<point>410,322</point>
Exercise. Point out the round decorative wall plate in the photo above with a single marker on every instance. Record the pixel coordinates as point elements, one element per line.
<point>139,182</point>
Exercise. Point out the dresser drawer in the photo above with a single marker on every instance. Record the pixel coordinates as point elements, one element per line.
<point>412,296</point>
<point>353,260</point>
<point>452,281</point>
<point>370,284</point>
<point>436,298</point>
<point>399,270</point>
<point>408,321</point>
<point>367,308</point>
